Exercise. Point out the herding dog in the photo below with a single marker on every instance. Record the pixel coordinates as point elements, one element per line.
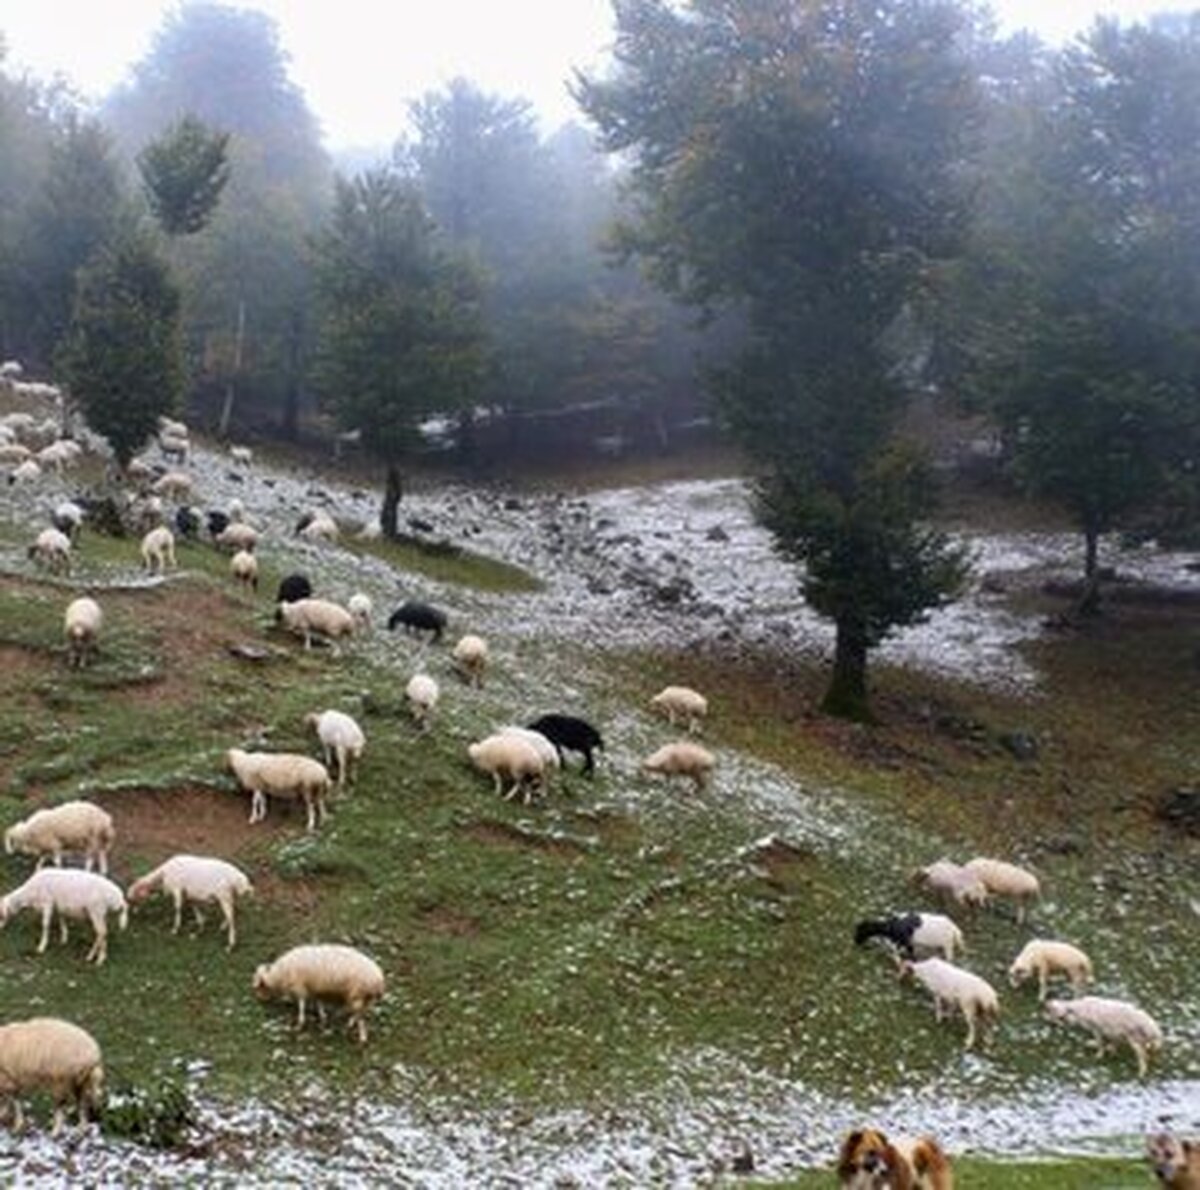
<point>1176,1163</point>
<point>869,1161</point>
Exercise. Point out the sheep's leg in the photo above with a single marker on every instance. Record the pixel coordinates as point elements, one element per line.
<point>58,1119</point>
<point>226,903</point>
<point>937,1008</point>
<point>1020,913</point>
<point>47,914</point>
<point>1043,981</point>
<point>100,946</point>
<point>18,1116</point>
<point>62,930</point>
<point>970,1017</point>
<point>1143,1060</point>
<point>178,897</point>
<point>199,915</point>
<point>102,861</point>
<point>322,1014</point>
<point>497,784</point>
<point>300,1005</point>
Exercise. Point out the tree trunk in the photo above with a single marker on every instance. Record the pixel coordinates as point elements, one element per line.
<point>290,429</point>
<point>1089,601</point>
<point>389,513</point>
<point>846,697</point>
<point>227,407</point>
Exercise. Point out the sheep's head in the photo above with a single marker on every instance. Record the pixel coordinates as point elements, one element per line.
<point>14,838</point>
<point>904,969</point>
<point>1018,973</point>
<point>311,720</point>
<point>138,891</point>
<point>262,982</point>
<point>1059,1010</point>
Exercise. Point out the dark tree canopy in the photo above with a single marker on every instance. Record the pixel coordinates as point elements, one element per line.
<point>801,161</point>
<point>123,359</point>
<point>183,173</point>
<point>399,335</point>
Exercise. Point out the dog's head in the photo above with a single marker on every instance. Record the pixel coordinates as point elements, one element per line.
<point>868,1161</point>
<point>1171,1158</point>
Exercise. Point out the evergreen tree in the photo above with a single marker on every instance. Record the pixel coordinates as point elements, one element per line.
<point>183,173</point>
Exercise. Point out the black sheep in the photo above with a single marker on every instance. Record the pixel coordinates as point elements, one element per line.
<point>418,617</point>
<point>575,735</point>
<point>294,587</point>
<point>897,930</point>
<point>187,522</point>
<point>218,522</point>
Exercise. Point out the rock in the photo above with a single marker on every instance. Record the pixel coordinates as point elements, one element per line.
<point>235,477</point>
<point>993,584</point>
<point>1020,744</point>
<point>419,525</point>
<point>1180,808</point>
<point>743,1160</point>
<point>512,504</point>
<point>717,533</point>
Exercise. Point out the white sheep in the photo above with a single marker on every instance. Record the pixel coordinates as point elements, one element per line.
<point>508,756</point>
<point>342,740</point>
<point>316,617</point>
<point>46,1054</point>
<point>158,549</point>
<point>52,549</point>
<point>682,759</point>
<point>71,893</point>
<point>320,527</point>
<point>14,452</point>
<point>26,472</point>
<point>1044,958</point>
<point>68,518</point>
<point>1111,1020</point>
<point>683,701</point>
<point>11,369</point>
<point>59,454</point>
<point>72,827</point>
<point>237,536</point>
<point>324,972</point>
<point>422,695</point>
<point>280,774</point>
<point>244,568</point>
<point>242,455</point>
<point>952,987</point>
<point>471,656</point>
<point>544,748</point>
<point>952,881</point>
<point>81,626</point>
<point>174,485</point>
<point>172,428</point>
<point>199,879</point>
<point>361,608</point>
<point>1006,880</point>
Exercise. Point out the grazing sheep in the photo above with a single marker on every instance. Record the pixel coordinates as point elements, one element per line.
<point>1111,1020</point>
<point>59,454</point>
<point>1051,958</point>
<point>506,755</point>
<point>26,472</point>
<point>341,738</point>
<point>682,759</point>
<point>242,455</point>
<point>682,701</point>
<point>11,369</point>
<point>236,536</point>
<point>198,879</point>
<point>14,452</point>
<point>68,828</point>
<point>72,894</point>
<point>81,626</point>
<point>568,733</point>
<point>293,588</point>
<point>171,427</point>
<point>952,987</point>
<point>67,518</point>
<point>928,931</point>
<point>187,522</point>
<point>323,972</point>
<point>174,485</point>
<point>953,882</point>
<point>217,522</point>
<point>422,695</point>
<point>51,549</point>
<point>361,608</point>
<point>418,617</point>
<point>1176,1162</point>
<point>470,655</point>
<point>280,774</point>
<point>46,1054</point>
<point>315,617</point>
<point>244,568</point>
<point>318,526</point>
<point>1006,880</point>
<point>158,549</point>
<point>544,748</point>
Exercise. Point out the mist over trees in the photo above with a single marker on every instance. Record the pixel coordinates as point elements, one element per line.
<point>800,214</point>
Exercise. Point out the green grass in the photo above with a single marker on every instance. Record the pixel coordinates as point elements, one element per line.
<point>451,565</point>
<point>978,1174</point>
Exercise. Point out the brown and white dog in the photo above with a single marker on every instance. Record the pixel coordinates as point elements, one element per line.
<point>869,1161</point>
<point>1176,1163</point>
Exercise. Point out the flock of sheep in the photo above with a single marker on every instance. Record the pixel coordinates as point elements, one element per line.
<point>954,989</point>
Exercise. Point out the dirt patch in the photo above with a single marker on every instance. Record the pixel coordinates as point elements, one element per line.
<point>504,834</point>
<point>298,895</point>
<point>441,919</point>
<point>158,823</point>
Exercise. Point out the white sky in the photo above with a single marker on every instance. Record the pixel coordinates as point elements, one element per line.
<point>360,61</point>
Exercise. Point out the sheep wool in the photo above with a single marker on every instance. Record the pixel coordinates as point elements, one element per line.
<point>1044,958</point>
<point>50,1055</point>
<point>324,972</point>
<point>70,827</point>
<point>243,566</point>
<point>200,880</point>
<point>70,893</point>
<point>470,655</point>
<point>316,617</point>
<point>52,549</point>
<point>1006,880</point>
<point>952,987</point>
<point>682,759</point>
<point>1111,1021</point>
<point>361,608</point>
<point>508,756</point>
<point>342,740</point>
<point>422,695</point>
<point>158,549</point>
<point>81,626</point>
<point>689,705</point>
<point>280,774</point>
